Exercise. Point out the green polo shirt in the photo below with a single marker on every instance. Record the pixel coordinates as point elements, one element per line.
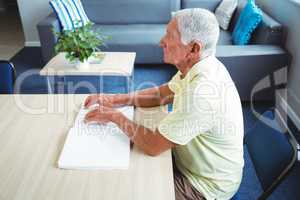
<point>207,124</point>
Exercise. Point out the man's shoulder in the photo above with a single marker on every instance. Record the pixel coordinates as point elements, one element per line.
<point>214,75</point>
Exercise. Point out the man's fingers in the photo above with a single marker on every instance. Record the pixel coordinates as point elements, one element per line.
<point>94,118</point>
<point>87,101</point>
<point>90,101</point>
<point>91,113</point>
<point>109,104</point>
<point>91,116</point>
<point>90,119</point>
<point>97,115</point>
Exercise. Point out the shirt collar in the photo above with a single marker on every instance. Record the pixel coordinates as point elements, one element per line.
<point>198,68</point>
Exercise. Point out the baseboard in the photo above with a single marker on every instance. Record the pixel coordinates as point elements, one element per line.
<point>32,44</point>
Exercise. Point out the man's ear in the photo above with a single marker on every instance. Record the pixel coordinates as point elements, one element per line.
<point>196,47</point>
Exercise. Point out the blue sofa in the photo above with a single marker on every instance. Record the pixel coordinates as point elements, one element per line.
<point>138,25</point>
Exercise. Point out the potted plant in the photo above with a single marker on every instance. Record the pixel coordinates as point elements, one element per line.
<point>80,44</point>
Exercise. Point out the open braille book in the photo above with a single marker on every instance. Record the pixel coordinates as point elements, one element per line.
<point>96,146</point>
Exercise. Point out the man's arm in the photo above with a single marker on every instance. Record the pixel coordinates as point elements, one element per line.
<point>144,98</point>
<point>155,96</point>
<point>150,97</point>
<point>151,142</point>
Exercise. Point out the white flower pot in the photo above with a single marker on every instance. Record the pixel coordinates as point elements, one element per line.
<point>82,65</point>
<point>96,58</point>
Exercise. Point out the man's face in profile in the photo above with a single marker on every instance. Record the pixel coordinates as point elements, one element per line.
<point>174,51</point>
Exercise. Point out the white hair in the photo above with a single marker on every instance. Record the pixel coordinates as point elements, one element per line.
<point>197,24</point>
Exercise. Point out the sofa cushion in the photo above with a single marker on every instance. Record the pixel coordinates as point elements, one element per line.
<point>140,38</point>
<point>248,21</point>
<point>225,38</point>
<point>130,11</point>
<point>269,31</point>
<point>146,40</point>
<point>207,4</point>
<point>132,33</point>
<point>224,12</point>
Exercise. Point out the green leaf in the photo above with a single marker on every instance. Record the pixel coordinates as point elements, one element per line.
<point>80,43</point>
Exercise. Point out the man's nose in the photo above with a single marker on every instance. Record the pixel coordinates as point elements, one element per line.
<point>161,42</point>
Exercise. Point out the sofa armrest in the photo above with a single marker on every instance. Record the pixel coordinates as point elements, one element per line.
<point>249,64</point>
<point>268,32</point>
<point>47,38</point>
<point>228,51</point>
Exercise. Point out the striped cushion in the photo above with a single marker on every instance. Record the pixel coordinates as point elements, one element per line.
<point>70,13</point>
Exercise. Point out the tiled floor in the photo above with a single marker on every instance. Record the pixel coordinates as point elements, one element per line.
<point>11,34</point>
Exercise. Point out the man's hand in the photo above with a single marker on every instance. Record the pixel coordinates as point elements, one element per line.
<point>151,142</point>
<point>101,115</point>
<point>101,99</point>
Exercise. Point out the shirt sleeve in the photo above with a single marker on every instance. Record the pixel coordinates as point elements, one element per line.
<point>173,83</point>
<point>183,125</point>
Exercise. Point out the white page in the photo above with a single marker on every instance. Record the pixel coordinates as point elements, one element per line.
<point>94,146</point>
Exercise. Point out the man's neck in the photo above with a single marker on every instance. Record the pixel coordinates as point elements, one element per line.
<point>185,67</point>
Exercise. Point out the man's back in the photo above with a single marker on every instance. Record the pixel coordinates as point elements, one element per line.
<point>207,123</point>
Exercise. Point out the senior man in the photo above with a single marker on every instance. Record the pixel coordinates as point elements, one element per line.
<point>205,128</point>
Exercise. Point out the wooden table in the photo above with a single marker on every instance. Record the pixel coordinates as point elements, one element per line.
<point>32,133</point>
<point>113,64</point>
